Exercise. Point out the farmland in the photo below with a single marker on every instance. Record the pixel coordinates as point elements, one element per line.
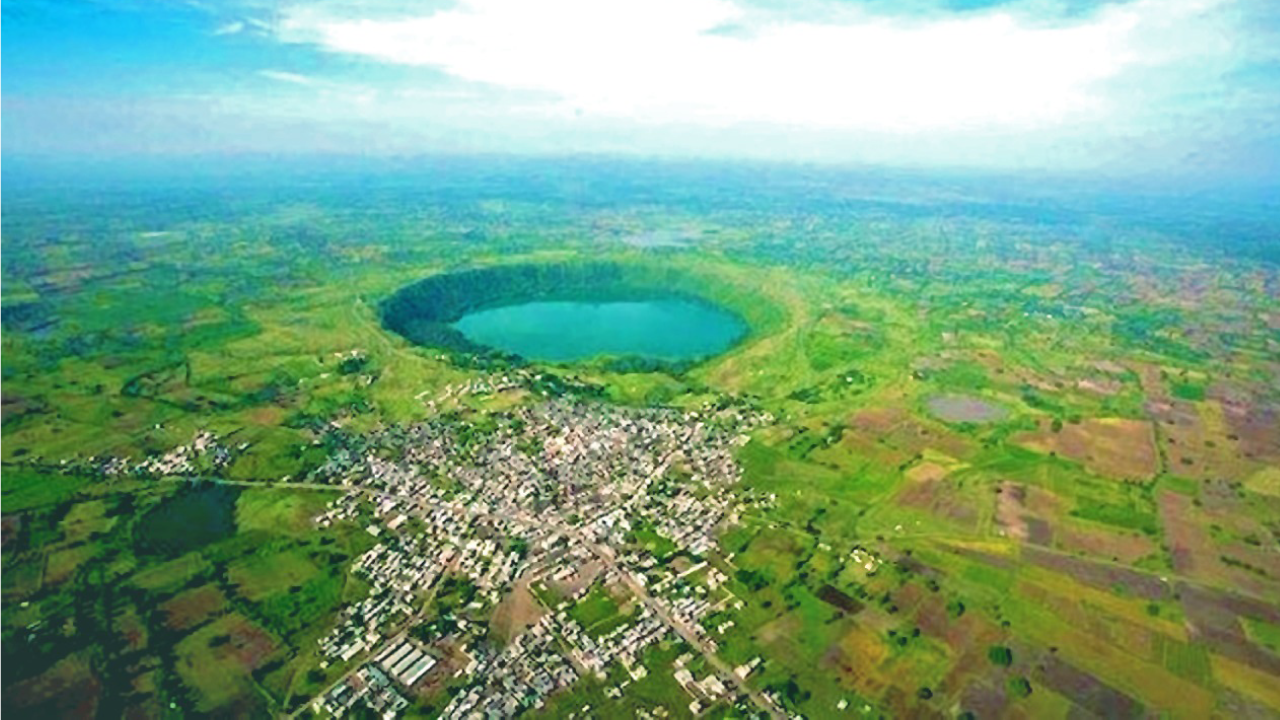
<point>962,462</point>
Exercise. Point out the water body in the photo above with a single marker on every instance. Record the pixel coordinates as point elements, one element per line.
<point>965,408</point>
<point>562,331</point>
<point>190,520</point>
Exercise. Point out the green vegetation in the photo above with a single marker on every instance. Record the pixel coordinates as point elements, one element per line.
<point>26,489</point>
<point>598,613</point>
<point>646,536</point>
<point>1097,478</point>
<point>1019,687</point>
<point>1131,516</point>
<point>999,655</point>
<point>424,311</point>
<point>1266,634</point>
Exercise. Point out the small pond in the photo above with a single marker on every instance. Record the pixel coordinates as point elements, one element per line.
<point>191,519</point>
<point>965,408</point>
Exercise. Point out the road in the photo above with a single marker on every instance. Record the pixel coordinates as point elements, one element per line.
<point>727,676</point>
<point>603,552</point>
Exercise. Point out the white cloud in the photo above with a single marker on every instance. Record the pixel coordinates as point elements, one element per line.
<point>232,28</point>
<point>291,78</point>
<point>348,94</point>
<point>715,63</point>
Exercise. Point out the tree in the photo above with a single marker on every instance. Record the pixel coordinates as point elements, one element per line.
<point>1000,655</point>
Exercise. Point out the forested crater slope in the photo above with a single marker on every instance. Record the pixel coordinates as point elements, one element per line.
<point>424,312</point>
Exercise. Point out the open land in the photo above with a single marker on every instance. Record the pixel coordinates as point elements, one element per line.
<point>964,463</point>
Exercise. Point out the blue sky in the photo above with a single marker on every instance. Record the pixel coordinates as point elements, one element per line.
<point>1147,86</point>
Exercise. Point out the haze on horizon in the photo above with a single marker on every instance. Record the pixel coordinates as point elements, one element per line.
<point>1155,87</point>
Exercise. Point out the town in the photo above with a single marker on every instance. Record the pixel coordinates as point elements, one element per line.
<point>555,507</point>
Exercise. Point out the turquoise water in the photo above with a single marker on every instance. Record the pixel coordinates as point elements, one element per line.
<point>562,331</point>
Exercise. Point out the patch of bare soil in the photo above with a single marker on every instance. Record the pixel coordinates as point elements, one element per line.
<point>1009,507</point>
<point>1213,617</point>
<point>1087,691</point>
<point>1111,447</point>
<point>1121,547</point>
<point>518,611</point>
<point>192,607</point>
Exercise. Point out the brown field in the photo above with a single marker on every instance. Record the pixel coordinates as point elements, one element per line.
<point>66,690</point>
<point>13,406</point>
<point>1197,555</point>
<point>1189,544</point>
<point>85,520</point>
<point>1214,619</point>
<point>131,629</point>
<point>998,557</point>
<point>1009,506</point>
<point>249,645</point>
<point>193,607</point>
<point>217,662</point>
<point>62,563</point>
<point>145,702</point>
<point>985,699</point>
<point>878,421</point>
<point>1221,504</point>
<point>517,612</point>
<point>856,657</point>
<point>1087,691</point>
<point>1022,511</point>
<point>1108,614</point>
<point>1152,383</point>
<point>1110,447</point>
<point>1262,560</point>
<point>969,639</point>
<point>268,415</point>
<point>972,634</point>
<point>1086,643</point>
<point>927,489</point>
<point>896,437</point>
<point>1117,546</point>
<point>1100,575</point>
<point>931,616</point>
<point>1042,502</point>
<point>908,597</point>
<point>1255,427</point>
<point>1100,386</point>
<point>1197,441</point>
<point>780,628</point>
<point>10,525</point>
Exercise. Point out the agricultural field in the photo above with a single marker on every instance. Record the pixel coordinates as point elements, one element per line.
<point>991,462</point>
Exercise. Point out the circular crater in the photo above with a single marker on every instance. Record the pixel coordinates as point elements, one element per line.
<point>568,312</point>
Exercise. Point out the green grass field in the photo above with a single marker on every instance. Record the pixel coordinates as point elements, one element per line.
<point>1101,478</point>
<point>598,612</point>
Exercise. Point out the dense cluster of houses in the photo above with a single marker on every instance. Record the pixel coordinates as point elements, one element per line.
<point>521,676</point>
<point>541,490</point>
